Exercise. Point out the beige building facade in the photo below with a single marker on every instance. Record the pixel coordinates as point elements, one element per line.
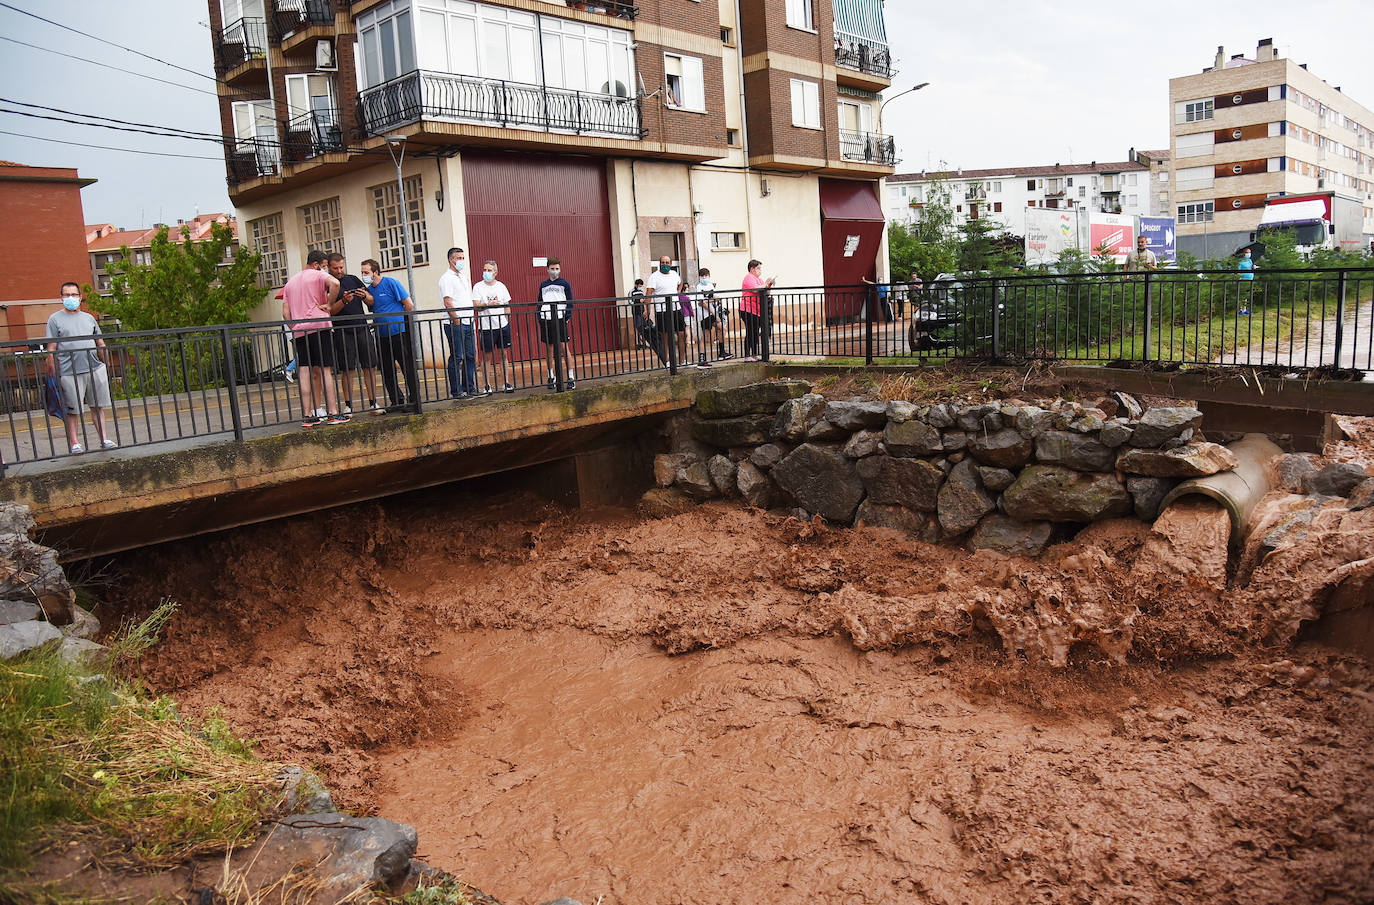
<point>1247,129</point>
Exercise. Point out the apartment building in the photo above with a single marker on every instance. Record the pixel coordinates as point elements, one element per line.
<point>1002,195</point>
<point>604,132</point>
<point>1246,129</point>
<point>104,241</point>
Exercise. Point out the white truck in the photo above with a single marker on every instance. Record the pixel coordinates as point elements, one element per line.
<point>1316,220</point>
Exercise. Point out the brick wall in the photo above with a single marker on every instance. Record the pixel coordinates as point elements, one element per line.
<point>43,232</point>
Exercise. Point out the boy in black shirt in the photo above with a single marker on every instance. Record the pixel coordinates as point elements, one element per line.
<point>555,316</point>
<point>353,349</point>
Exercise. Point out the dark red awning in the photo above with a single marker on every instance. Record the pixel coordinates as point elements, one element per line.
<point>844,200</point>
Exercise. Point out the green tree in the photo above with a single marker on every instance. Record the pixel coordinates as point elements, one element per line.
<point>928,245</point>
<point>186,284</point>
<point>983,246</point>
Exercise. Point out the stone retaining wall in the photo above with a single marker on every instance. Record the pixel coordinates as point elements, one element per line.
<point>992,475</point>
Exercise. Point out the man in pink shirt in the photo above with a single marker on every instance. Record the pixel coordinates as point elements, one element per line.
<point>305,307</point>
<point>752,305</point>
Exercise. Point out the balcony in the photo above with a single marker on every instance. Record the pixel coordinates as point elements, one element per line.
<point>616,8</point>
<point>866,58</point>
<point>247,159</point>
<point>312,134</point>
<point>868,147</point>
<point>423,95</point>
<point>240,42</point>
<point>290,16</point>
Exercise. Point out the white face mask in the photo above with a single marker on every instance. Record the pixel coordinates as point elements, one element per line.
<point>367,279</point>
<point>460,265</point>
<point>71,302</point>
<point>554,272</point>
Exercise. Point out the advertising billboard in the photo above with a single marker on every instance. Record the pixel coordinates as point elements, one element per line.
<point>1048,232</point>
<point>1159,238</point>
<point>1115,232</point>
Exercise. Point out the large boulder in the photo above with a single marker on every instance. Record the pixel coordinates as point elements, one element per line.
<point>1164,423</point>
<point>1147,494</point>
<point>996,480</point>
<point>1293,471</point>
<point>1336,479</point>
<point>18,611</point>
<point>1115,433</point>
<point>15,519</point>
<point>939,416</point>
<point>667,466</point>
<point>1081,452</point>
<point>856,414</point>
<point>913,483</point>
<point>1191,460</point>
<point>753,485</point>
<point>1127,405</point>
<point>349,853</point>
<point>753,399</point>
<point>962,501</point>
<point>1057,494</point>
<point>1362,496</point>
<point>1004,448</point>
<point>794,416</point>
<point>722,472</point>
<point>864,443</point>
<point>20,637</point>
<point>767,455</point>
<point>900,410</point>
<point>1032,421</point>
<point>823,430</point>
<point>1010,537</point>
<point>696,481</point>
<point>911,438</point>
<point>898,518</point>
<point>821,480</point>
<point>745,430</point>
<point>30,572</point>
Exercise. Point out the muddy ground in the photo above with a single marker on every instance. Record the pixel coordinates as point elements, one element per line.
<point>733,706</point>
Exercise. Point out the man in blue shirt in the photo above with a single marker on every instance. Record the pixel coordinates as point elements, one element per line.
<point>390,301</point>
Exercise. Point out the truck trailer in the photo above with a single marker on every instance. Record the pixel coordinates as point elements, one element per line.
<point>1316,220</point>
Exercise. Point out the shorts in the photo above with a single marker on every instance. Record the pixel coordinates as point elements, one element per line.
<point>496,337</point>
<point>354,348</point>
<point>547,330</point>
<point>708,323</point>
<point>315,349</point>
<point>676,325</point>
<point>85,387</point>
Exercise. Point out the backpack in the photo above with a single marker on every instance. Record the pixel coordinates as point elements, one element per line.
<point>52,399</point>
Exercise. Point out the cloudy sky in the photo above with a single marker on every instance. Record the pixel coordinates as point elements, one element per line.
<point>1012,84</point>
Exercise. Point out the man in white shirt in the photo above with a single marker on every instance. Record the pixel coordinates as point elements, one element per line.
<point>456,292</point>
<point>662,286</point>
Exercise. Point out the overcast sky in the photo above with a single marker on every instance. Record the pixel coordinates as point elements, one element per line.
<point>1012,84</point>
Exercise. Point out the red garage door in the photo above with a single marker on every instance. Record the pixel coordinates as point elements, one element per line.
<point>851,232</point>
<point>523,207</point>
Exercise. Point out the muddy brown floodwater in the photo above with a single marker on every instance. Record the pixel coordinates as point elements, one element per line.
<point>729,706</point>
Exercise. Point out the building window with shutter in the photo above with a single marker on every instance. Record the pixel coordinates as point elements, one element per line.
<point>390,231</point>
<point>806,104</point>
<point>685,83</point>
<point>800,15</point>
<point>322,227</point>
<point>269,241</point>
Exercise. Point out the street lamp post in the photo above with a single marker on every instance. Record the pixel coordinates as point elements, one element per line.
<point>893,98</point>
<point>396,147</point>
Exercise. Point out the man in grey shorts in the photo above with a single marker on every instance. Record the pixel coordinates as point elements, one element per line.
<point>75,350</point>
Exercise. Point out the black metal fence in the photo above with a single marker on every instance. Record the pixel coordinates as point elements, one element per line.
<point>869,147</point>
<point>440,95</point>
<point>864,58</point>
<point>238,42</point>
<point>228,380</point>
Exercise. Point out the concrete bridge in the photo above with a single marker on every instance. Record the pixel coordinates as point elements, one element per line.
<point>594,445</point>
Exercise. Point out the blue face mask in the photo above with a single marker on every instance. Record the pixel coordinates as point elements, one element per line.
<point>488,276</point>
<point>665,268</point>
<point>71,303</point>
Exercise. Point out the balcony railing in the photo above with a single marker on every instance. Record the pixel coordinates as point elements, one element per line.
<point>617,8</point>
<point>869,147</point>
<point>311,134</point>
<point>239,42</point>
<point>247,159</point>
<point>865,58</point>
<point>292,15</point>
<point>442,96</point>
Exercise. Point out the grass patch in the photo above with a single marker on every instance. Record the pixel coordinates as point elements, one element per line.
<point>89,756</point>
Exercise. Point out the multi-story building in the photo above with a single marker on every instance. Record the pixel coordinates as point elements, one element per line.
<point>104,241</point>
<point>604,132</point>
<point>1158,164</point>
<point>1001,196</point>
<point>1244,130</point>
<point>41,225</point>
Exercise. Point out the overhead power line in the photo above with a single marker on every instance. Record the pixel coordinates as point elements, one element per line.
<point>72,56</point>
<point>121,124</point>
<point>82,144</point>
<point>86,34</point>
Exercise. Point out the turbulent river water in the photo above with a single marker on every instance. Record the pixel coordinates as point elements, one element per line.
<point>731,706</point>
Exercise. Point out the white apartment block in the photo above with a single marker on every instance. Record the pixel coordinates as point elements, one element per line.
<point>1001,196</point>
<point>1244,130</point>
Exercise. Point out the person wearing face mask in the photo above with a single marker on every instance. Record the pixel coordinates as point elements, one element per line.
<point>75,359</point>
<point>490,297</point>
<point>456,291</point>
<point>390,300</point>
<point>663,285</point>
<point>555,316</point>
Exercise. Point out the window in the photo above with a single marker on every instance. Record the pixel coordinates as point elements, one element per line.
<point>322,226</point>
<point>309,93</point>
<point>254,120</point>
<point>1190,178</point>
<point>269,241</point>
<point>1193,111</point>
<point>997,187</point>
<point>669,244</point>
<point>1164,176</point>
<point>1132,200</point>
<point>1199,212</point>
<point>732,138</point>
<point>997,207</point>
<point>1197,144</point>
<point>1130,178</point>
<point>1082,191</point>
<point>806,104</point>
<point>1030,185</point>
<point>799,15</point>
<point>855,117</point>
<point>686,86</point>
<point>727,241</point>
<point>727,36</point>
<point>386,209</point>
<point>1069,182</point>
<point>388,42</point>
<point>579,57</point>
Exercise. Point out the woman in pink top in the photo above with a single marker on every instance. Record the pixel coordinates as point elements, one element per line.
<point>751,308</point>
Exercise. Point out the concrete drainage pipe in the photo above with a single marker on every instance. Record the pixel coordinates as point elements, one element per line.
<point>1239,489</point>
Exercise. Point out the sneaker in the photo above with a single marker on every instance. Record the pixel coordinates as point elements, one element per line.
<point>486,390</point>
<point>395,409</point>
<point>552,382</point>
<point>571,383</point>
<point>311,421</point>
<point>340,418</point>
<point>348,408</point>
<point>510,388</point>
<point>461,396</point>
<point>290,378</point>
<point>108,444</point>
<point>724,356</point>
<point>321,413</point>
<point>374,408</point>
<point>77,448</point>
<point>703,365</point>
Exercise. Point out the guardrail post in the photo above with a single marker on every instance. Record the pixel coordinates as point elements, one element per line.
<point>231,369</point>
<point>870,302</point>
<point>560,373</point>
<point>1340,318</point>
<point>996,320</point>
<point>668,336</point>
<point>413,363</point>
<point>1149,317</point>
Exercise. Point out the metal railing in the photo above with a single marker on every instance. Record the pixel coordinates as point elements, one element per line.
<point>865,58</point>
<point>869,147</point>
<point>230,380</point>
<point>617,8</point>
<point>247,159</point>
<point>292,15</point>
<point>311,134</point>
<point>239,42</point>
<point>439,95</point>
